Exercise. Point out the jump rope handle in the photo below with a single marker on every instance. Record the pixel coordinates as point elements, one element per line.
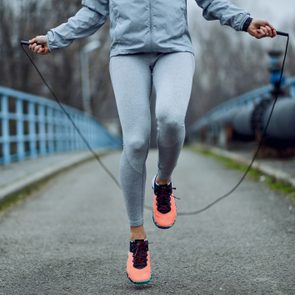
<point>24,42</point>
<point>282,34</point>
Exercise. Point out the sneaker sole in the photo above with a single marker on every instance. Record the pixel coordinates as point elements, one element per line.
<point>139,283</point>
<point>161,227</point>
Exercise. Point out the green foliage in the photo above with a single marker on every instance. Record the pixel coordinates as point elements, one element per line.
<point>19,197</point>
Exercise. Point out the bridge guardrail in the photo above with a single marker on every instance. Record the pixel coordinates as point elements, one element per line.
<point>32,126</point>
<point>247,99</point>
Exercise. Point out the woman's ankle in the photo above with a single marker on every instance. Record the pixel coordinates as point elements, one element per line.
<point>137,233</point>
<point>161,181</point>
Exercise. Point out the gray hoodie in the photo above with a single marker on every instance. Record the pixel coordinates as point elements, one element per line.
<point>143,25</point>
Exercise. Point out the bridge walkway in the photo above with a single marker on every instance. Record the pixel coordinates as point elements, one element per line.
<point>72,237</point>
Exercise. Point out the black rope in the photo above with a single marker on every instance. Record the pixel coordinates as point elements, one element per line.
<point>259,144</point>
<point>97,157</point>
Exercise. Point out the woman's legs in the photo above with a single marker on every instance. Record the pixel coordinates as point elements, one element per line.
<point>131,79</point>
<point>132,82</point>
<point>172,77</point>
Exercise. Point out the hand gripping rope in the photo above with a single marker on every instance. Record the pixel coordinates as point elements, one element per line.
<point>97,157</point>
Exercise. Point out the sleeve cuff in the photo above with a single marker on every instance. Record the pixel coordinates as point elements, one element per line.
<point>247,24</point>
<point>50,38</point>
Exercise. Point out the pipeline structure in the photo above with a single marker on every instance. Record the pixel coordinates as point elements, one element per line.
<point>244,118</point>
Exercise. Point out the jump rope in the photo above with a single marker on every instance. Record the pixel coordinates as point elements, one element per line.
<point>111,175</point>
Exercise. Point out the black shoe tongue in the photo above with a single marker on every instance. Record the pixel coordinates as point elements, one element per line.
<point>134,243</point>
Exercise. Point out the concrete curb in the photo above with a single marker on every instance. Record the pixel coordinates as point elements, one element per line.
<point>258,165</point>
<point>57,167</point>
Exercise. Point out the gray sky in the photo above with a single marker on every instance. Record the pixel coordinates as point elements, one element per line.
<point>280,12</point>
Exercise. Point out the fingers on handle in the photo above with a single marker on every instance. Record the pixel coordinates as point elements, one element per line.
<point>38,39</point>
<point>267,24</point>
<point>39,45</point>
<point>267,28</point>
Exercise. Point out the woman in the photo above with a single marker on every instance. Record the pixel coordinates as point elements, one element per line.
<point>150,44</point>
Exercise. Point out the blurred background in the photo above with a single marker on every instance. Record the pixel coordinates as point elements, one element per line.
<point>61,242</point>
<point>229,63</point>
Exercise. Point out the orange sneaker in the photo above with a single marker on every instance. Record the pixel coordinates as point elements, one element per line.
<point>139,262</point>
<point>164,207</point>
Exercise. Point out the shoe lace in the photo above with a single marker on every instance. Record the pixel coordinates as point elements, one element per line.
<point>164,194</point>
<point>140,254</point>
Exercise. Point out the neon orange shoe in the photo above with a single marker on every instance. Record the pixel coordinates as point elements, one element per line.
<point>164,207</point>
<point>139,262</point>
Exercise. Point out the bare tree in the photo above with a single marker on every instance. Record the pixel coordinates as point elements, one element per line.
<point>226,66</point>
<point>61,68</point>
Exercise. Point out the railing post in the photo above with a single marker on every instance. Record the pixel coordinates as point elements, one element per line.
<point>58,130</point>
<point>72,134</point>
<point>62,132</point>
<point>91,131</point>
<point>5,130</point>
<point>68,134</point>
<point>77,137</point>
<point>20,130</point>
<point>32,131</point>
<point>42,128</point>
<point>42,134</point>
<point>50,135</point>
<point>80,126</point>
<point>55,129</point>
<point>84,131</point>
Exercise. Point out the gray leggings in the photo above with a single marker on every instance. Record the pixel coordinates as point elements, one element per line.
<point>132,79</point>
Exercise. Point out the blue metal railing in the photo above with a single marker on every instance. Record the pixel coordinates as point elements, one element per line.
<point>32,126</point>
<point>247,99</point>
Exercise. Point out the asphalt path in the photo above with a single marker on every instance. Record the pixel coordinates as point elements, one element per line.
<point>71,237</point>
